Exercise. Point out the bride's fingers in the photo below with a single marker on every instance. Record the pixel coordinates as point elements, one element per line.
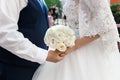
<point>69,50</point>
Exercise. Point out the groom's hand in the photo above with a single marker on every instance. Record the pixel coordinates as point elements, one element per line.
<point>53,56</point>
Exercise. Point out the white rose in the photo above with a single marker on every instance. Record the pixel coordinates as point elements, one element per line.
<point>69,43</point>
<point>61,47</point>
<point>53,43</point>
<point>60,37</point>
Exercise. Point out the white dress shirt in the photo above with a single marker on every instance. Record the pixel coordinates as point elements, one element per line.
<point>13,40</point>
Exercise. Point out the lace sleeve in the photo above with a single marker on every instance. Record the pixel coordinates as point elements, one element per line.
<point>97,19</point>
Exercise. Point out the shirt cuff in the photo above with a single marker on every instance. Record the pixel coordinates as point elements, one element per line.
<point>42,55</point>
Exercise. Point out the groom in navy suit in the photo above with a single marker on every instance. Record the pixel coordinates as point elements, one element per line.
<point>23,24</point>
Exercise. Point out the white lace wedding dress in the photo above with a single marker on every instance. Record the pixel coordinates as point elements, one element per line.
<point>98,60</point>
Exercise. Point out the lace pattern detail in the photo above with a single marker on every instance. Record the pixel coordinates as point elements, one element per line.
<point>71,11</point>
<point>99,20</point>
<point>93,17</point>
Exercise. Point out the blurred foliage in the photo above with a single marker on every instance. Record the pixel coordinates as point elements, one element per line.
<point>116,12</point>
<point>53,2</point>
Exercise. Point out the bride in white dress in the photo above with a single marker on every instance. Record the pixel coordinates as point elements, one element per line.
<point>98,59</point>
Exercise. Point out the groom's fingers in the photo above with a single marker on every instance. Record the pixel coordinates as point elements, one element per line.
<point>57,51</point>
<point>60,58</point>
<point>54,57</point>
<point>57,58</point>
<point>62,54</point>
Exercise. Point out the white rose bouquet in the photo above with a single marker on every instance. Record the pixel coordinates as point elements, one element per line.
<point>60,37</point>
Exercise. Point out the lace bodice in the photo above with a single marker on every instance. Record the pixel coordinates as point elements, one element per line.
<point>72,16</point>
<point>91,17</point>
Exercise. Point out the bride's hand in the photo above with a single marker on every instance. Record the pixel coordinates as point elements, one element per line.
<point>71,49</point>
<point>81,42</point>
<point>68,51</point>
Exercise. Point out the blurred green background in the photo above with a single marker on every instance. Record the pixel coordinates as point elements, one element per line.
<point>114,8</point>
<point>53,2</point>
<point>116,12</point>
